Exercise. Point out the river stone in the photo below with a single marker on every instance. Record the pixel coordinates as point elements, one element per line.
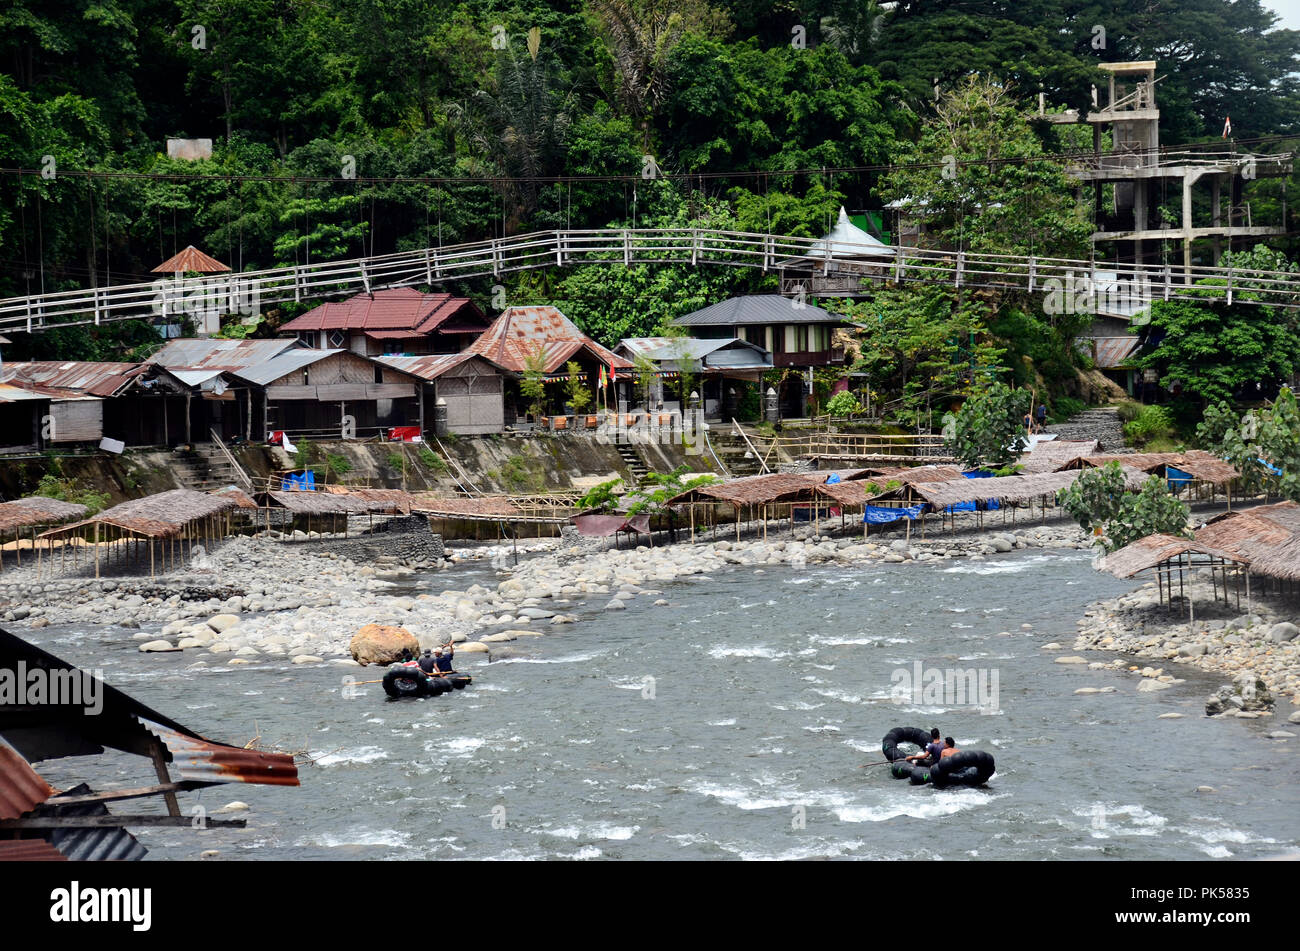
<point>1091,690</point>
<point>1149,686</point>
<point>1282,632</point>
<point>157,646</point>
<point>1051,647</point>
<point>472,647</point>
<point>307,659</point>
<point>615,605</point>
<point>238,660</point>
<point>1279,735</point>
<point>1294,718</point>
<point>498,637</point>
<point>382,644</point>
<point>1170,716</point>
<point>222,622</point>
<point>1073,659</point>
<point>185,642</point>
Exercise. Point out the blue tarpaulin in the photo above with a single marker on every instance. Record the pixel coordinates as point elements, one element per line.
<point>300,481</point>
<point>1177,478</point>
<point>882,514</point>
<point>978,474</point>
<point>1270,467</point>
<point>833,478</point>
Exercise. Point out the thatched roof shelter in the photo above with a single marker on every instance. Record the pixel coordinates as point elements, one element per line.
<point>314,503</point>
<point>1268,536</point>
<point>1200,465</point>
<point>37,510</point>
<point>164,515</point>
<point>1155,550</point>
<point>1054,453</point>
<point>242,499</point>
<point>426,503</point>
<point>1006,490</point>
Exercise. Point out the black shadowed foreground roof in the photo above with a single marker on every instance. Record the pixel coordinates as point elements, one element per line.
<point>48,730</point>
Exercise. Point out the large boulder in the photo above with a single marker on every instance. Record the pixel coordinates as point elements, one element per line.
<point>1247,693</point>
<point>382,644</point>
<point>1282,632</point>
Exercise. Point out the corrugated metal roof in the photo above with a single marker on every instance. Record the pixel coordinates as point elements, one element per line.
<point>77,377</point>
<point>756,309</point>
<point>208,762</point>
<point>21,788</point>
<point>522,331</point>
<point>1112,352</point>
<point>191,259</point>
<point>29,850</point>
<point>432,366</point>
<point>91,844</point>
<point>194,353</point>
<point>395,309</point>
<point>266,373</point>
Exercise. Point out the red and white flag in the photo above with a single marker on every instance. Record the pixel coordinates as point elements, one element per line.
<point>1227,127</point>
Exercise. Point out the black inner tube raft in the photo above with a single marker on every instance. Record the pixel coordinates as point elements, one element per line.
<point>967,768</point>
<point>900,768</point>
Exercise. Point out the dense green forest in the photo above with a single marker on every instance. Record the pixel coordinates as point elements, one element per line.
<point>344,127</point>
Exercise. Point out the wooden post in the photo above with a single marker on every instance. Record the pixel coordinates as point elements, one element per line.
<point>160,766</point>
<point>151,573</point>
<point>97,549</point>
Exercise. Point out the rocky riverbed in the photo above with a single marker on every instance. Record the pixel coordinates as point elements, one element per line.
<point>261,598</point>
<point>1258,652</point>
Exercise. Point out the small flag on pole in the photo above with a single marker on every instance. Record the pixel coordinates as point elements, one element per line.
<point>1227,127</point>
<point>602,377</point>
<point>613,374</point>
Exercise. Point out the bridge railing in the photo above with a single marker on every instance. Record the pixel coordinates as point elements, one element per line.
<point>246,291</point>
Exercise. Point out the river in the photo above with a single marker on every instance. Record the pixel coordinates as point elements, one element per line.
<point>732,724</point>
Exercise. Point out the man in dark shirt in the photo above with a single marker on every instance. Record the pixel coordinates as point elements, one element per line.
<point>933,752</point>
<point>442,658</point>
<point>428,662</point>
<point>1042,416</point>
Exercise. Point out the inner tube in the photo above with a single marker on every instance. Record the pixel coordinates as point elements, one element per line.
<point>405,682</point>
<point>458,680</point>
<point>903,734</point>
<point>439,685</point>
<point>967,768</point>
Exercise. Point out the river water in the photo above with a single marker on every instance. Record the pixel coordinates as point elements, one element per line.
<point>732,724</point>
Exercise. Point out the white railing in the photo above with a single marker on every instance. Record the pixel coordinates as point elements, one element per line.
<point>167,298</point>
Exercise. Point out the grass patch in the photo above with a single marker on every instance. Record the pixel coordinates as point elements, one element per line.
<point>338,464</point>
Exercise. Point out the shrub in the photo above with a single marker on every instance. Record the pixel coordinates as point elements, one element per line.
<point>1066,406</point>
<point>395,460</point>
<point>843,404</point>
<point>52,486</point>
<point>338,464</point>
<point>432,460</point>
<point>1153,422</point>
<point>1129,411</point>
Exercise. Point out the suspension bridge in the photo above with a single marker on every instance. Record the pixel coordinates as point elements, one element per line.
<point>170,299</point>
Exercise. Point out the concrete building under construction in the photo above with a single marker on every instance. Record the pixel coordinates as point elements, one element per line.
<point>1209,184</point>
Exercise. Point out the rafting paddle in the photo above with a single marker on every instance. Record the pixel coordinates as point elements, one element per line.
<point>882,763</point>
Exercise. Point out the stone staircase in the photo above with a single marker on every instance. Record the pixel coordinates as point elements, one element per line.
<point>632,459</point>
<point>731,450</point>
<point>1102,424</point>
<point>204,468</point>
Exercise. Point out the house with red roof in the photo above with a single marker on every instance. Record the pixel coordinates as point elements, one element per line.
<point>398,321</point>
<point>521,332</point>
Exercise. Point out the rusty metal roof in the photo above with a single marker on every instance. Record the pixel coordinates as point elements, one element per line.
<point>29,850</point>
<point>191,259</point>
<point>521,332</point>
<point>395,310</point>
<point>432,366</point>
<point>207,762</point>
<point>21,787</point>
<point>73,376</point>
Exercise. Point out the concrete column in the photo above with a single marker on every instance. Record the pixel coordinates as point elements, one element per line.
<point>1187,229</point>
<point>440,417</point>
<point>1216,216</point>
<point>772,407</point>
